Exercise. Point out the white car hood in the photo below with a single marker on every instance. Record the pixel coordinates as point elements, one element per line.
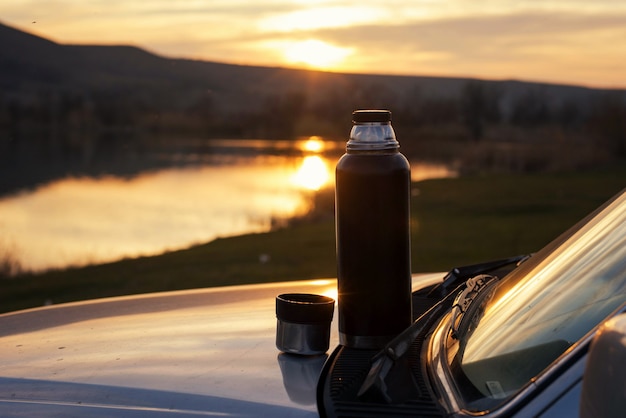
<point>207,352</point>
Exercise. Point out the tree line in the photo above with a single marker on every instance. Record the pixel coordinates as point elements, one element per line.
<point>58,123</point>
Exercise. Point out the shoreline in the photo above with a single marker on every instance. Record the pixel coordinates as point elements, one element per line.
<point>455,221</point>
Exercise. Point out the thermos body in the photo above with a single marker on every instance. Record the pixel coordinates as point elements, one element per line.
<point>373,246</point>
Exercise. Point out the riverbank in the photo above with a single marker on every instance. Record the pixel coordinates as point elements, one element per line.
<point>454,222</point>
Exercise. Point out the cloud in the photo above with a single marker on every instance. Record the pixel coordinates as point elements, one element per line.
<point>481,33</point>
<point>491,38</point>
<point>322,17</point>
<point>493,41</point>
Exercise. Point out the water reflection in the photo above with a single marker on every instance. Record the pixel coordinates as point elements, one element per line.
<point>313,144</point>
<point>313,173</point>
<point>78,221</point>
<point>84,220</point>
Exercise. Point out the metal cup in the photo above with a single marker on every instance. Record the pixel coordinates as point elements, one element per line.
<point>303,323</point>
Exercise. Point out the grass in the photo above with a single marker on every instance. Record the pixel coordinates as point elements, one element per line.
<point>454,222</point>
<point>470,219</point>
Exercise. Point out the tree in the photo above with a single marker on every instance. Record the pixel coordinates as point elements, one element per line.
<point>531,109</point>
<point>479,106</point>
<point>608,123</point>
<point>280,114</point>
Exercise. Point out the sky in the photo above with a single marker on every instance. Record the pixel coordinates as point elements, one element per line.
<point>557,41</point>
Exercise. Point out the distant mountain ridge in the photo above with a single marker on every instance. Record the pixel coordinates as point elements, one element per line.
<point>29,62</point>
<point>92,110</point>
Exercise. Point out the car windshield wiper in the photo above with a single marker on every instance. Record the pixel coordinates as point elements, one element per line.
<point>377,384</point>
<point>388,371</point>
<point>459,275</point>
<point>466,301</point>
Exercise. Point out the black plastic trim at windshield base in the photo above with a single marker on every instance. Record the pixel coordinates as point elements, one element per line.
<point>346,369</point>
<point>343,376</point>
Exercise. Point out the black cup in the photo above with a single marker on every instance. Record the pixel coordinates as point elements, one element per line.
<point>303,323</point>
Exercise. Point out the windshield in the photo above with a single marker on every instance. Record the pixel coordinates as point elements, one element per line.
<point>538,311</point>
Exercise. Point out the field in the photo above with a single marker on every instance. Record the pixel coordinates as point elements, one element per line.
<point>454,222</point>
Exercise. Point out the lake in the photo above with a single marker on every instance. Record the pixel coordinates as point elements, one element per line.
<point>235,187</point>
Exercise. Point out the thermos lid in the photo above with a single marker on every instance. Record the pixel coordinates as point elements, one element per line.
<point>371,116</point>
<point>372,131</point>
<point>304,308</point>
<point>303,325</point>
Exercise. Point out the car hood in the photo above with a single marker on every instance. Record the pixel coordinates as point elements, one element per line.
<point>206,352</point>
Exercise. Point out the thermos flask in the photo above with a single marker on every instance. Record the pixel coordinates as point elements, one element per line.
<point>372,217</point>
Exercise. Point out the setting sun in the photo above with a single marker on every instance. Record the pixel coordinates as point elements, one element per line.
<point>315,53</point>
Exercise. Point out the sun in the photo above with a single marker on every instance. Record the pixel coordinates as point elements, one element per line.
<point>315,53</point>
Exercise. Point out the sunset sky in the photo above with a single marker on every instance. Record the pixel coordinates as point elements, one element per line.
<point>559,41</point>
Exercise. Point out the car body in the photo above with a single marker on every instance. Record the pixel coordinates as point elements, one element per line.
<point>212,352</point>
<point>202,352</point>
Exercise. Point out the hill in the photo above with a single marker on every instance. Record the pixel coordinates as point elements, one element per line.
<point>68,109</point>
<point>30,64</point>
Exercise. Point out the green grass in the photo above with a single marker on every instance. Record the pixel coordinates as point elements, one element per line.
<point>454,222</point>
<point>465,220</point>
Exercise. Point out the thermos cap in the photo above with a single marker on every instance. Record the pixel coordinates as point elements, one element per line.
<point>371,116</point>
<point>304,308</point>
<point>372,131</point>
<point>303,323</point>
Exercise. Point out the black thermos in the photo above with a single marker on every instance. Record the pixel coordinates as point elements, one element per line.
<point>373,181</point>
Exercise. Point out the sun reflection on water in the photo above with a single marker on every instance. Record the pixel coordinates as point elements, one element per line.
<point>314,144</point>
<point>312,174</point>
<point>77,221</point>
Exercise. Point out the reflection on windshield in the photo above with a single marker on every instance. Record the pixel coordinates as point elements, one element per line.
<point>541,310</point>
